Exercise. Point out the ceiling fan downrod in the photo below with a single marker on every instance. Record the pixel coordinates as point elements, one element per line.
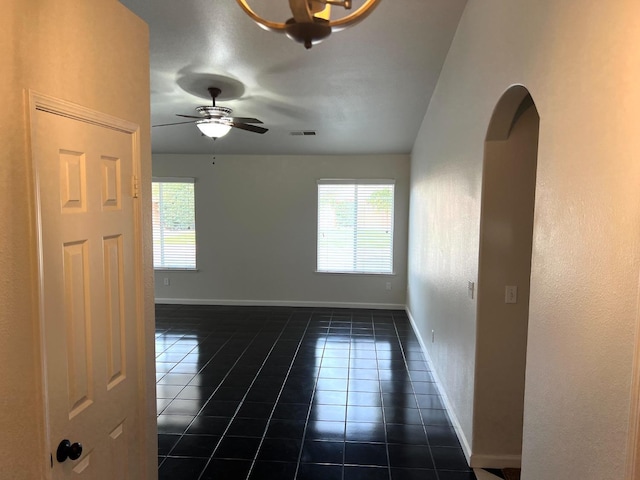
<point>214,92</point>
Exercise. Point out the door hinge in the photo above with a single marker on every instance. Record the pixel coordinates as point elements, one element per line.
<point>135,188</point>
<point>51,457</point>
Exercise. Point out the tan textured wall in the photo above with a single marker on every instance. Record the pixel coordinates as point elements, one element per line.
<point>579,61</point>
<point>94,54</point>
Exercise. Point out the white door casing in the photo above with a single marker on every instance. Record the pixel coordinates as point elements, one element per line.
<point>90,291</point>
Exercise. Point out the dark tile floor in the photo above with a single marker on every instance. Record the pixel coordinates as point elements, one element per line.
<point>293,393</point>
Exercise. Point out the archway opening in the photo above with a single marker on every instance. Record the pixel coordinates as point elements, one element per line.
<point>504,271</point>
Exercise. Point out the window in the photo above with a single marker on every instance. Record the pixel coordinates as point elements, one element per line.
<point>174,225</point>
<point>355,226</point>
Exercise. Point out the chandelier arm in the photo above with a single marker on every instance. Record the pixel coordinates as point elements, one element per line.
<point>363,12</point>
<point>337,3</point>
<point>301,11</point>
<point>276,27</point>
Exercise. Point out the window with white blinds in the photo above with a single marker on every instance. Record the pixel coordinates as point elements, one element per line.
<point>355,226</point>
<point>174,223</point>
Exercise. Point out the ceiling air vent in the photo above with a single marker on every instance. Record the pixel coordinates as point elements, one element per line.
<point>303,133</point>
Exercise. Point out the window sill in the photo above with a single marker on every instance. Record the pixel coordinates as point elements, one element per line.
<point>175,270</point>
<point>375,274</point>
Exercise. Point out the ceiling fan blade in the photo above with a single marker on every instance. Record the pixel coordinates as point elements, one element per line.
<point>245,120</point>
<point>188,116</point>
<point>168,124</point>
<point>249,128</point>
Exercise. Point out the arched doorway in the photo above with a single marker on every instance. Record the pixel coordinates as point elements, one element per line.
<point>504,270</point>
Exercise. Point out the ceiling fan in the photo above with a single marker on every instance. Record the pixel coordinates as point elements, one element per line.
<point>215,122</point>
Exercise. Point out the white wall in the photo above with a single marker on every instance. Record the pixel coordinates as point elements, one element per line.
<point>579,61</point>
<point>94,54</point>
<point>256,231</point>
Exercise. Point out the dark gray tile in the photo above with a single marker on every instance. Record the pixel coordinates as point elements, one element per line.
<point>195,446</point>
<point>406,434</point>
<point>365,432</point>
<point>365,473</point>
<point>365,454</point>
<point>311,471</point>
<point>181,468</point>
<point>280,449</point>
<point>413,474</point>
<point>219,468</point>
<point>273,471</point>
<point>322,452</point>
<point>174,423</point>
<point>208,425</point>
<point>352,361</point>
<point>442,436</point>
<point>449,458</point>
<point>242,448</point>
<point>280,428</point>
<point>410,456</point>
<point>166,442</point>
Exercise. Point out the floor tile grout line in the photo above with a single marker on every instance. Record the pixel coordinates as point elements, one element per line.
<point>216,389</point>
<point>382,403</point>
<point>185,386</point>
<point>390,327</point>
<point>222,436</point>
<point>424,427</point>
<point>313,394</point>
<point>416,400</point>
<point>184,432</point>
<point>275,402</point>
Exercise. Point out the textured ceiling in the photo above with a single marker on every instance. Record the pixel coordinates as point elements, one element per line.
<point>364,90</point>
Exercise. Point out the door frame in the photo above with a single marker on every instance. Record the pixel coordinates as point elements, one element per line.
<point>38,102</point>
<point>633,443</point>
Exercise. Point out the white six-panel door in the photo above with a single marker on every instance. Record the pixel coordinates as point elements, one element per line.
<point>88,296</point>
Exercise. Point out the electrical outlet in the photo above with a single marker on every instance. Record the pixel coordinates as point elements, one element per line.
<point>471,289</point>
<point>167,282</point>
<point>388,286</point>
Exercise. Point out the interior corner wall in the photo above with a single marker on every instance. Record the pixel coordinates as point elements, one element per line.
<point>577,60</point>
<point>256,227</point>
<point>94,54</point>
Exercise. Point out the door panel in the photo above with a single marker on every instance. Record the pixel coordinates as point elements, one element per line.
<point>88,294</point>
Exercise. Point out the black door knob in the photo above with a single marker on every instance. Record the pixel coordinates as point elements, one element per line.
<point>69,450</point>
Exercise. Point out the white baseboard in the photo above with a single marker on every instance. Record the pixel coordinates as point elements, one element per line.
<point>466,446</point>
<point>278,303</point>
<point>496,461</point>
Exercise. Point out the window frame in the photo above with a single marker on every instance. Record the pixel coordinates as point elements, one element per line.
<point>359,181</point>
<point>185,180</point>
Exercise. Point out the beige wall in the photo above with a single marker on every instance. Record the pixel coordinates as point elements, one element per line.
<point>579,61</point>
<point>256,231</point>
<point>94,54</point>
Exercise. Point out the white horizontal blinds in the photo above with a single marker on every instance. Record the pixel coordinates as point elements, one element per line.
<point>355,226</point>
<point>174,226</point>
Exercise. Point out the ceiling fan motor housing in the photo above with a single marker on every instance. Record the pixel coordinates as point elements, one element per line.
<point>209,111</point>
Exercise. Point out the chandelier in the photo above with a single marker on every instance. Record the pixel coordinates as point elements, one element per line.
<point>311,22</point>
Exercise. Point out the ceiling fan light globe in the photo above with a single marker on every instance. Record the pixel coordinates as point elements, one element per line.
<point>212,128</point>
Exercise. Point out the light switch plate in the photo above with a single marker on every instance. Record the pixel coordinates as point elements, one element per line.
<point>511,294</point>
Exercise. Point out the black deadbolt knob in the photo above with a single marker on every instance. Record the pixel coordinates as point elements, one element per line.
<point>69,450</point>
